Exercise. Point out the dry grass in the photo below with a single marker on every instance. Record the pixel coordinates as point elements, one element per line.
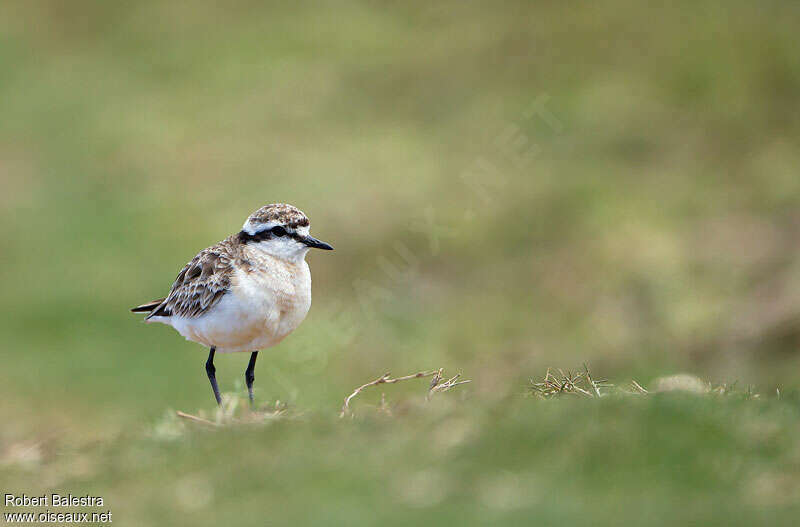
<point>556,383</point>
<point>234,409</point>
<point>582,384</point>
<point>566,383</point>
<point>438,384</point>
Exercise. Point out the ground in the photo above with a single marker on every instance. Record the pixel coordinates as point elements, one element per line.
<point>658,459</point>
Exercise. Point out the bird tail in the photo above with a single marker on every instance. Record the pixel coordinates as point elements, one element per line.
<point>148,307</point>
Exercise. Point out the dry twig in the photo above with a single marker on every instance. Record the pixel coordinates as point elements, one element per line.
<point>227,413</point>
<point>195,418</point>
<point>436,385</point>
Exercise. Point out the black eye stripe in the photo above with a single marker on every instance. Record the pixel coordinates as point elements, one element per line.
<point>276,232</point>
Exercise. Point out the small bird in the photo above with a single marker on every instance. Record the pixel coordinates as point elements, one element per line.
<point>247,292</point>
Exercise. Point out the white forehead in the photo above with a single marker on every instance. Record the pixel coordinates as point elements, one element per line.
<point>251,227</point>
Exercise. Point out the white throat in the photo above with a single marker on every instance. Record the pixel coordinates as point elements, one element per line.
<point>288,250</point>
<point>281,247</point>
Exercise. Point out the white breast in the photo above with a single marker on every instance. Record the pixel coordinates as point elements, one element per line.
<point>267,301</point>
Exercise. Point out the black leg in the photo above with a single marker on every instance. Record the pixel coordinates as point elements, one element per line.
<point>250,376</point>
<point>211,371</point>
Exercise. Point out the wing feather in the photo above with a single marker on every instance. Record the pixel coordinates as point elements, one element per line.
<point>201,283</point>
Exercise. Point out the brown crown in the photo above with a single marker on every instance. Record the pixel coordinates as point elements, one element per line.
<point>281,213</point>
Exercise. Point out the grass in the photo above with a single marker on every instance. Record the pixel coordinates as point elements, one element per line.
<point>659,459</point>
<point>508,186</point>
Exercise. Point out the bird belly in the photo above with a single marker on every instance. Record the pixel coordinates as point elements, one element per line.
<point>255,314</point>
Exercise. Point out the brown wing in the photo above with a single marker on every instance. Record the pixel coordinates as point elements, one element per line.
<point>200,284</point>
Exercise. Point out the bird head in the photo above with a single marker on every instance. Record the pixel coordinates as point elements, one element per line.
<point>282,231</point>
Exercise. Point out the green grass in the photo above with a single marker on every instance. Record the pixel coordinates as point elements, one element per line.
<point>667,459</point>
<point>646,225</point>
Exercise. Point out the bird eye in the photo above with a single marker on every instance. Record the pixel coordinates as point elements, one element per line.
<point>279,231</point>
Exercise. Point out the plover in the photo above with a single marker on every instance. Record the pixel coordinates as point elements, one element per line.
<point>246,293</point>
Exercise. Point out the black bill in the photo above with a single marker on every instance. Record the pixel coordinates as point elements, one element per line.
<point>315,243</point>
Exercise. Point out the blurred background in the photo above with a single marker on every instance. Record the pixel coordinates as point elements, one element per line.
<point>509,187</point>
